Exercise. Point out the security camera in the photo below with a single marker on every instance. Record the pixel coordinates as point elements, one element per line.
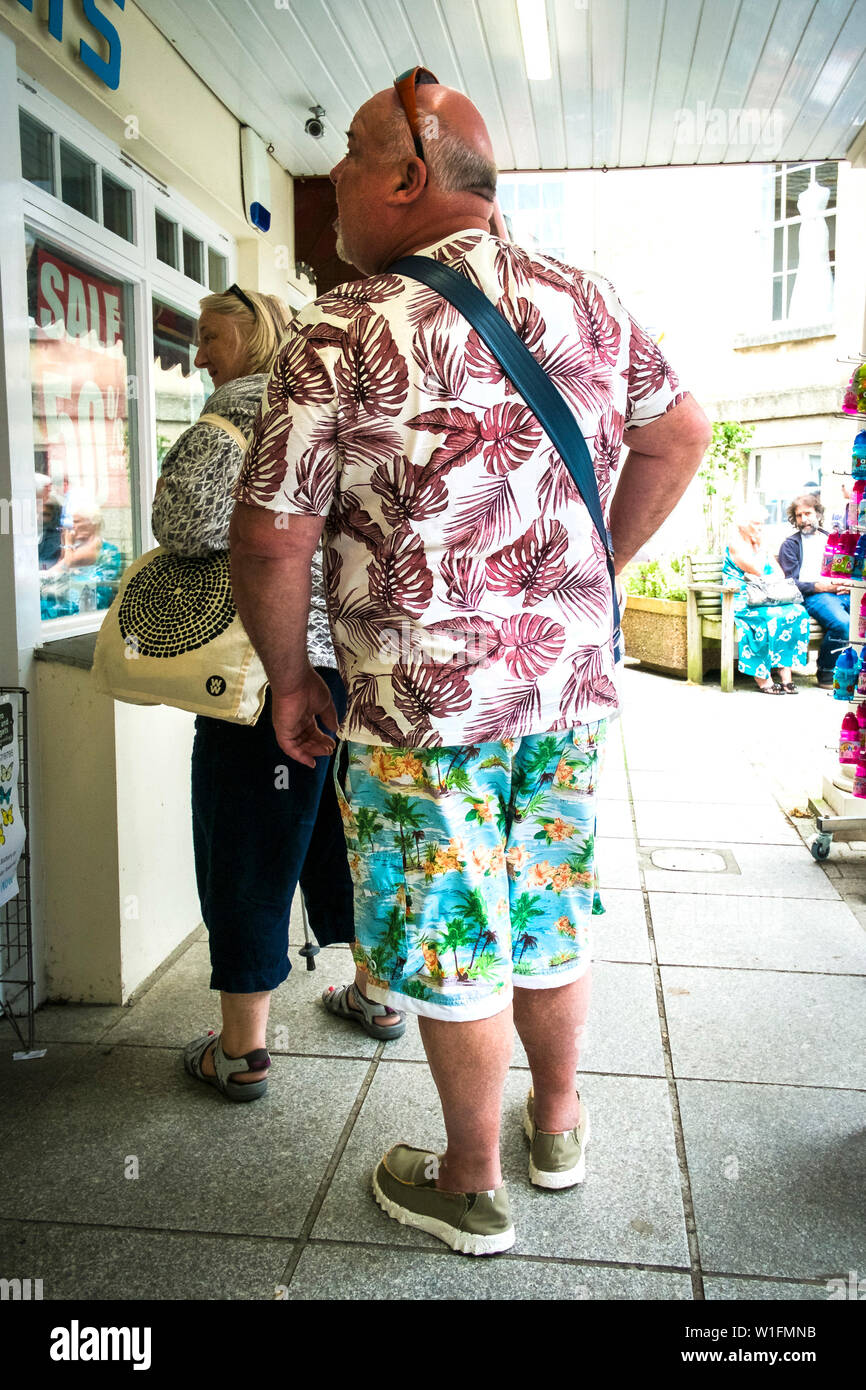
<point>315,126</point>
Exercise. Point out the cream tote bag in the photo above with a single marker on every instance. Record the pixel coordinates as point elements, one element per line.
<point>172,636</point>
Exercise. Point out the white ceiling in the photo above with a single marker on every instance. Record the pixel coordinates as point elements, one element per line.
<point>622,71</point>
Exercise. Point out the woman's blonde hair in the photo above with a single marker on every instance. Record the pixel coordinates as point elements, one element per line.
<point>262,331</point>
<point>747,515</point>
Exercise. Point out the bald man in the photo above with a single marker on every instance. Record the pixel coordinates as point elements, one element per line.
<point>472,619</point>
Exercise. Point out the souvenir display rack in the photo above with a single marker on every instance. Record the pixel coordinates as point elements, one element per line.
<point>16,916</point>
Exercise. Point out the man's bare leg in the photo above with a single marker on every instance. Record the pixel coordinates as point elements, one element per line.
<point>469,1062</point>
<point>550,1023</point>
<point>245,1023</point>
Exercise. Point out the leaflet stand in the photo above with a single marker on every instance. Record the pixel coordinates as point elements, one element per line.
<point>16,916</point>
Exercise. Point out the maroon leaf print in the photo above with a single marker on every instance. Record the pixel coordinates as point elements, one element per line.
<point>481,363</point>
<point>321,333</point>
<point>462,437</point>
<point>483,516</point>
<point>456,254</point>
<point>299,375</point>
<point>353,299</point>
<point>480,638</point>
<point>526,322</point>
<point>363,703</point>
<point>398,576</point>
<point>507,714</point>
<point>368,439</point>
<point>596,325</point>
<point>648,369</point>
<point>409,490</point>
<point>365,622</point>
<point>511,434</point>
<point>316,476</point>
<point>265,463</point>
<point>464,578</point>
<point>555,487</point>
<point>607,445</point>
<point>544,273</point>
<point>350,519</point>
<point>584,589</point>
<point>427,309</point>
<point>371,373</point>
<point>588,684</point>
<point>513,263</point>
<point>584,381</point>
<point>427,689</point>
<point>444,374</point>
<point>530,644</point>
<point>533,563</point>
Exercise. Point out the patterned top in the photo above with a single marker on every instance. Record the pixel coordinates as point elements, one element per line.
<point>468,592</point>
<point>193,509</point>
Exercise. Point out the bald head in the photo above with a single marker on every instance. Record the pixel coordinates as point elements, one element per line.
<point>391,202</point>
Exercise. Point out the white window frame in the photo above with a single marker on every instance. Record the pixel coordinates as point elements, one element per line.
<point>70,231</point>
<point>785,223</point>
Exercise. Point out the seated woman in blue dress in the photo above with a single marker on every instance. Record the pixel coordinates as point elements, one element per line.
<point>773,638</point>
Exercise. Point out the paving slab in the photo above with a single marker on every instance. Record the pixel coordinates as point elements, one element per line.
<point>202,1162</point>
<point>620,932</point>
<point>333,1272</point>
<point>96,1263</point>
<point>616,862</point>
<point>760,1025</point>
<point>629,1209</point>
<point>770,871</point>
<point>717,1288</point>
<point>743,788</point>
<point>24,1086</point>
<point>614,819</point>
<point>777,1176</point>
<point>757,933</point>
<point>622,1034</point>
<point>731,822</point>
<point>59,1023</point>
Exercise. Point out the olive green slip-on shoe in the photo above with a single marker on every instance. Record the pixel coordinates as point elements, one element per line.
<point>473,1223</point>
<point>556,1160</point>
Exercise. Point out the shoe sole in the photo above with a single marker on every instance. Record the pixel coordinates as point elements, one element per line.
<point>464,1242</point>
<point>570,1177</point>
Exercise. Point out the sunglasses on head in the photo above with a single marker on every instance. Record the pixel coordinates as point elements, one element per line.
<point>236,290</point>
<point>405,86</point>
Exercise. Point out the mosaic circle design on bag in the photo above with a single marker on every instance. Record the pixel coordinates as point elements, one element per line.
<point>176,604</point>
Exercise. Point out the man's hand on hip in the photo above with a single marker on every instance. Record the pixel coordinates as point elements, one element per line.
<point>294,719</point>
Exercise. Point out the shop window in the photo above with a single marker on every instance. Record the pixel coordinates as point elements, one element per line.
<point>81,357</point>
<point>804,241</point>
<point>179,387</point>
<point>77,181</point>
<point>193,259</point>
<point>166,241</point>
<point>37,153</point>
<point>117,207</point>
<point>217,271</point>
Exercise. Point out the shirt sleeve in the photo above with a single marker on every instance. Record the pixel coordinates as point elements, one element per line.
<point>653,385</point>
<point>291,464</point>
<point>193,508</point>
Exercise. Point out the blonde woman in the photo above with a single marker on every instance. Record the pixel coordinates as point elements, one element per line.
<point>254,837</point>
<point>771,638</point>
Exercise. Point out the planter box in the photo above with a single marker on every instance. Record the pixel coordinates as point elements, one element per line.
<point>655,634</point>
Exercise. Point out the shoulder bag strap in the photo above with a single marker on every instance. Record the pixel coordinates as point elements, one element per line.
<point>222,423</point>
<point>530,379</point>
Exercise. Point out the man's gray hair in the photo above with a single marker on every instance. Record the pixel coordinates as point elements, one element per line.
<point>456,167</point>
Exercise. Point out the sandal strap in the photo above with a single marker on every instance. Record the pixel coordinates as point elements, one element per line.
<point>227,1067</point>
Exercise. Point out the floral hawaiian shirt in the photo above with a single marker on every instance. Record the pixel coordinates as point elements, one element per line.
<point>468,593</point>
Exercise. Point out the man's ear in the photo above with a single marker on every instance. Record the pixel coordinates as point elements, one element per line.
<point>411,180</point>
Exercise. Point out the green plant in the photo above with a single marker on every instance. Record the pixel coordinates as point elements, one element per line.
<point>663,578</point>
<point>723,466</point>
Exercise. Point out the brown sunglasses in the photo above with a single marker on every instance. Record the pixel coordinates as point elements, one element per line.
<point>405,86</point>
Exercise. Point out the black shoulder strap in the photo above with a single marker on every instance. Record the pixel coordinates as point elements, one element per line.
<point>530,379</point>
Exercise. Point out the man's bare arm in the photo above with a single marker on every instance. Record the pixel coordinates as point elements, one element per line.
<point>271,586</point>
<point>662,460</point>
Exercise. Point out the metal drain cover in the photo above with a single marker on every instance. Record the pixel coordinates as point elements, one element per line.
<point>695,861</point>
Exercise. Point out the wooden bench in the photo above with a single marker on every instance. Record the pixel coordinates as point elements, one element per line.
<point>710,618</point>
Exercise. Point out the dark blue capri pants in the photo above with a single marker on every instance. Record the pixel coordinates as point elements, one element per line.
<point>255,839</point>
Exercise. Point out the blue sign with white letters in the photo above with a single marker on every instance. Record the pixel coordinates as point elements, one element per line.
<point>106,69</point>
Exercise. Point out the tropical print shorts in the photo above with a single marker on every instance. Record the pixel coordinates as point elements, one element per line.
<point>474,867</point>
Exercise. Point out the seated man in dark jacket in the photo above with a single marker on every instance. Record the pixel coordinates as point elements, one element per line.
<point>827,599</point>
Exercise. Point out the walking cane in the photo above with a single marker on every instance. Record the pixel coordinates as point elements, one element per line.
<point>309,950</point>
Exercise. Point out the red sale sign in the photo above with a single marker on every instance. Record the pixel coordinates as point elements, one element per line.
<point>80,381</point>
